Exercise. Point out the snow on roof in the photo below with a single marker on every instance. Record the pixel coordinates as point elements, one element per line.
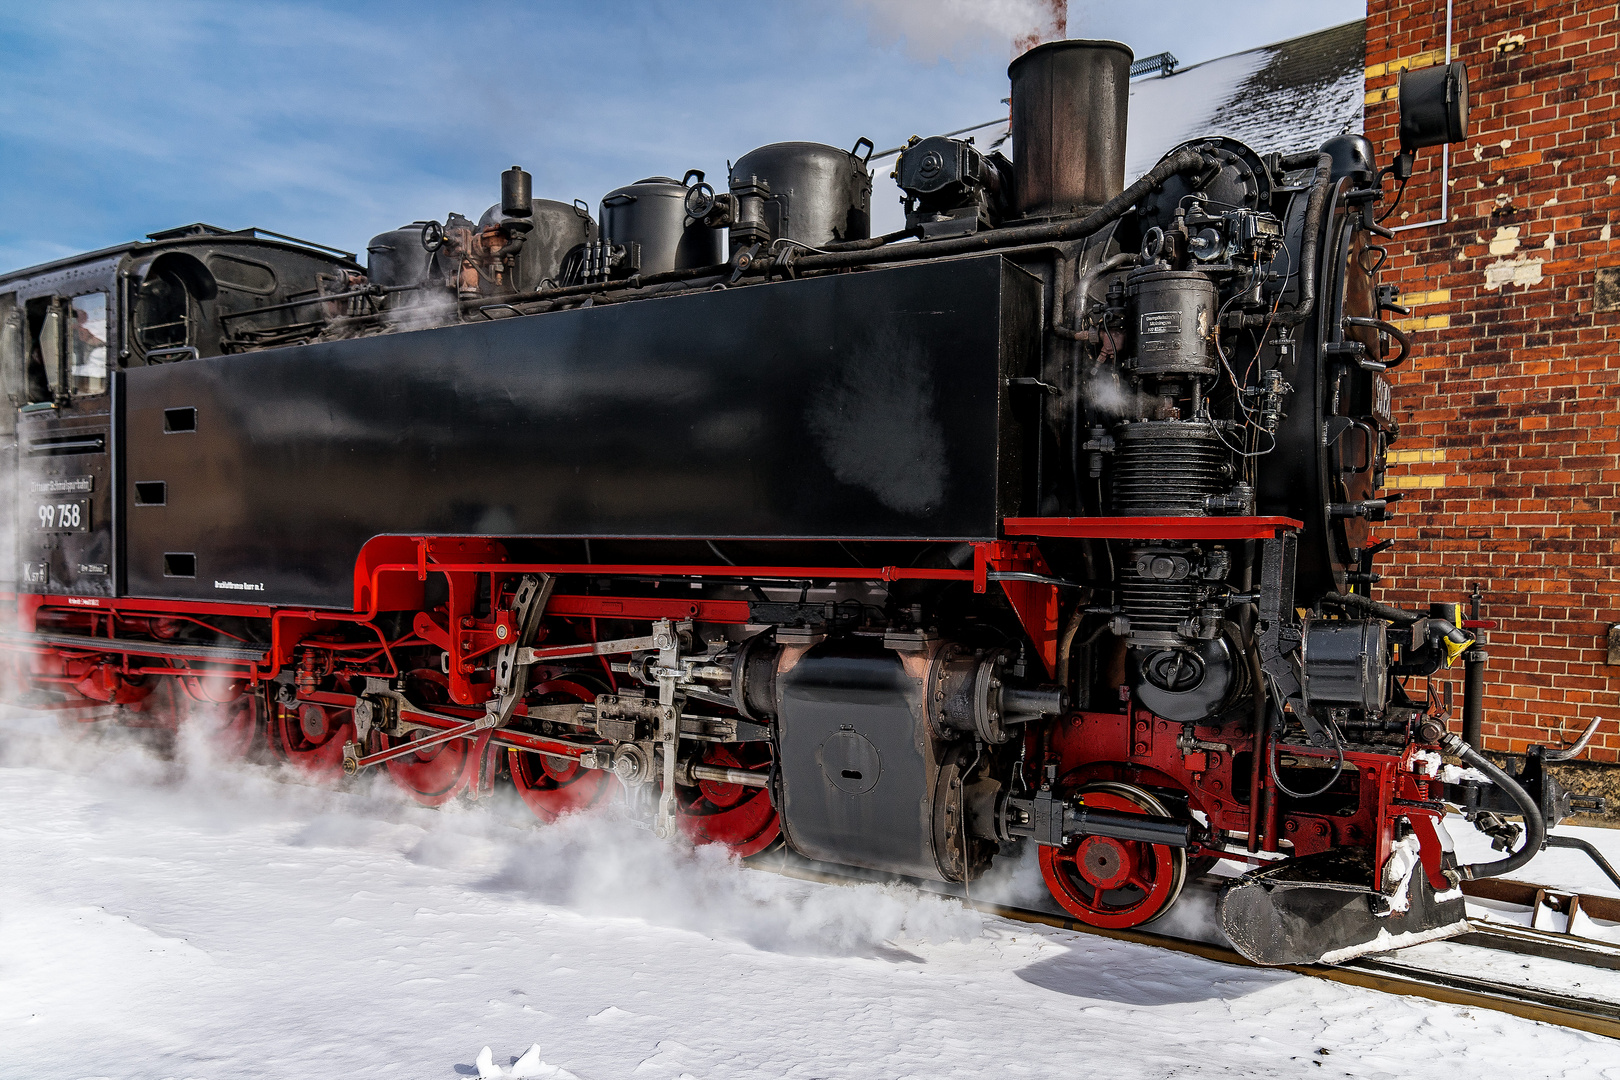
<point>1288,96</point>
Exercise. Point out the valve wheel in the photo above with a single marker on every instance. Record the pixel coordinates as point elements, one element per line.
<point>740,818</point>
<point>1115,883</point>
<point>552,787</point>
<point>310,737</point>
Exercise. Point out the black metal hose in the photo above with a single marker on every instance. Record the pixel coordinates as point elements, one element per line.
<point>1454,634</point>
<point>1374,608</point>
<point>1535,826</point>
<point>1310,238</point>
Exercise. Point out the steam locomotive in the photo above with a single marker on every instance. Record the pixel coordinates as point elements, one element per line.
<point>1046,521</point>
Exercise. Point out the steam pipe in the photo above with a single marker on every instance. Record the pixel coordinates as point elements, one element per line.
<point>1535,826</point>
<point>1262,735</point>
<point>1374,608</point>
<point>1473,704</point>
<point>1314,210</point>
<point>870,242</point>
<point>1183,161</point>
<point>1082,292</point>
<point>881,250</point>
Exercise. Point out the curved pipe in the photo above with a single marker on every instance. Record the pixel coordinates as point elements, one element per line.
<point>1384,327</point>
<point>1397,615</point>
<point>1311,239</point>
<point>1374,608</point>
<point>1082,292</point>
<point>1183,161</point>
<point>1535,826</point>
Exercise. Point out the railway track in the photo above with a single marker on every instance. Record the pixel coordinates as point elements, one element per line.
<point>1389,973</point>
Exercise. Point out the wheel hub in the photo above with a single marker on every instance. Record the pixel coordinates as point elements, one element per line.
<point>312,719</point>
<point>1104,862</point>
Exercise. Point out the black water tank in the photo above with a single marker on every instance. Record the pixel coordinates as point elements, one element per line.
<point>652,213</point>
<point>809,192</point>
<point>558,229</point>
<point>1069,100</point>
<point>397,257</point>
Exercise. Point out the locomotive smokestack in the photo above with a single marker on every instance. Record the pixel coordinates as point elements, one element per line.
<point>1069,100</point>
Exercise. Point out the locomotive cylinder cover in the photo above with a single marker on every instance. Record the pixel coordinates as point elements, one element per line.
<point>652,213</point>
<point>1173,324</point>
<point>808,192</point>
<point>1069,101</point>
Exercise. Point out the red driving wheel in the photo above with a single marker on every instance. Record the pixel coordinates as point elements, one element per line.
<point>310,737</point>
<point>434,774</point>
<point>741,818</point>
<point>549,786</point>
<point>230,729</point>
<point>1115,883</point>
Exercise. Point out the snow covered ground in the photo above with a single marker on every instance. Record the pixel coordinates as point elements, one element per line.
<point>164,921</point>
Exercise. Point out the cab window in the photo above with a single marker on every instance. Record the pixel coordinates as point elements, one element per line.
<point>47,344</point>
<point>87,344</point>
<point>13,355</point>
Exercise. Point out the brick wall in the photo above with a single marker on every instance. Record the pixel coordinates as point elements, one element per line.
<point>1509,457</point>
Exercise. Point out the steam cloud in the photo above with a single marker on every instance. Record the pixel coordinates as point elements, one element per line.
<point>598,864</point>
<point>954,29</point>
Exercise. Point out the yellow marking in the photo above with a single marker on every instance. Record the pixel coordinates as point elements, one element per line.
<point>1409,63</point>
<point>1436,296</point>
<point>1415,457</point>
<point>1424,322</point>
<point>1417,481</point>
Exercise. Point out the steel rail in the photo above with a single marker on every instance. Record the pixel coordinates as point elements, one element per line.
<point>1369,973</point>
<point>1547,1007</point>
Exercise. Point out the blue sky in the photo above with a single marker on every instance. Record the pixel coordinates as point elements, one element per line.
<point>335,121</point>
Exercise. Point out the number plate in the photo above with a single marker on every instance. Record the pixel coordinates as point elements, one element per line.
<point>62,516</point>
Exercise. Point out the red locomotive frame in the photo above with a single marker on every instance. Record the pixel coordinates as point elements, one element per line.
<point>103,648</point>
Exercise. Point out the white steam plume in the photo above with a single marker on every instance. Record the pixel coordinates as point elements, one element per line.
<point>931,30</point>
<point>596,864</point>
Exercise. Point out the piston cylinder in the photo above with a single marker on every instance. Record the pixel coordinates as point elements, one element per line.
<point>1168,468</point>
<point>1069,100</point>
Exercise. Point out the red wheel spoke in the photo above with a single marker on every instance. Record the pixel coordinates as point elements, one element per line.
<point>551,787</point>
<point>1109,883</point>
<point>311,741</point>
<point>740,818</point>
